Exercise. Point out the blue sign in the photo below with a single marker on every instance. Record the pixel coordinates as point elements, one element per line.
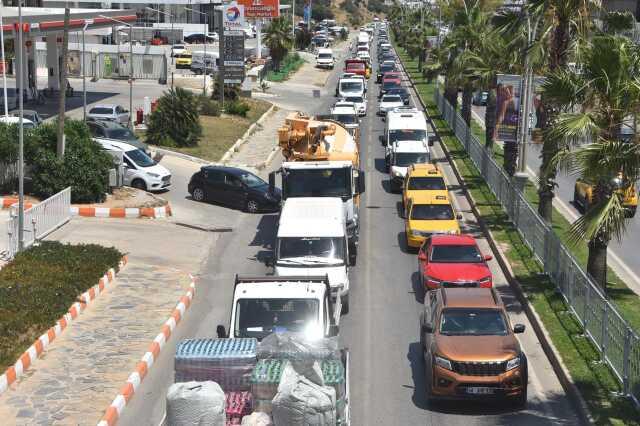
<point>307,12</point>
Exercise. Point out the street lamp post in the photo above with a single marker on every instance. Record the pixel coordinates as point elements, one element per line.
<point>4,64</point>
<point>206,27</point>
<point>84,75</point>
<point>20,132</point>
<point>130,64</point>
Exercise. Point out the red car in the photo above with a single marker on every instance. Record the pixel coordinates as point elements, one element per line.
<point>453,261</point>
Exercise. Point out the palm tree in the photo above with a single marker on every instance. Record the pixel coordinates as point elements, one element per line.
<point>278,39</point>
<point>608,91</point>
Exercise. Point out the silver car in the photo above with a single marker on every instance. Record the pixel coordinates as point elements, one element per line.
<point>110,112</point>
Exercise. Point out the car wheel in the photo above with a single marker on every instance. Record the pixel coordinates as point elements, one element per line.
<point>139,184</point>
<point>251,206</point>
<point>198,194</point>
<point>345,305</point>
<point>575,197</point>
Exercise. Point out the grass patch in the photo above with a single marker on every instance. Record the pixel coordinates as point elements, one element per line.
<point>290,64</point>
<point>595,381</point>
<point>220,133</point>
<point>39,286</point>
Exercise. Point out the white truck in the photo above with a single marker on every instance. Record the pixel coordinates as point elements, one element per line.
<point>351,86</point>
<point>265,305</point>
<point>325,58</point>
<point>400,155</point>
<point>338,178</point>
<point>312,240</point>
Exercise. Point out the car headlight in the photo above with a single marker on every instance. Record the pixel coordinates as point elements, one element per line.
<point>513,363</point>
<point>420,233</point>
<point>153,175</point>
<point>398,173</point>
<point>443,362</point>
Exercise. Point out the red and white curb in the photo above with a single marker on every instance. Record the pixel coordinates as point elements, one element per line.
<point>6,203</point>
<point>30,355</point>
<point>111,415</point>
<point>117,212</point>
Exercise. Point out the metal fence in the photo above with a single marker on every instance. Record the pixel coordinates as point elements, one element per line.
<point>618,343</point>
<point>116,65</point>
<point>40,220</point>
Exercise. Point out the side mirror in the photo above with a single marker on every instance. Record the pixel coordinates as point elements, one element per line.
<point>422,256</point>
<point>272,182</point>
<point>334,330</point>
<point>270,261</point>
<point>487,257</point>
<point>518,328</point>
<point>221,332</point>
<point>361,182</point>
<point>426,328</point>
<point>432,140</point>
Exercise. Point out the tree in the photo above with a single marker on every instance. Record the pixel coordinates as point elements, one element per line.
<point>63,83</point>
<point>278,39</point>
<point>176,120</point>
<point>608,92</point>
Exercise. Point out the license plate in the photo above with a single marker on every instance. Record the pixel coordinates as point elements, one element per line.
<point>480,391</point>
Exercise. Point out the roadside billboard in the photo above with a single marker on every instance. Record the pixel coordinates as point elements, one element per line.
<point>261,8</point>
<point>508,94</point>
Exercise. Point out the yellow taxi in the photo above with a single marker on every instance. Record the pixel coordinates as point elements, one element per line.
<point>428,214</point>
<point>583,195</point>
<point>425,178</point>
<point>183,60</point>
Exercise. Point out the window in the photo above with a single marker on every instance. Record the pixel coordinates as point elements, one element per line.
<point>318,183</point>
<point>322,250</point>
<point>251,180</point>
<point>261,317</point>
<point>101,111</point>
<point>455,254</point>
<point>139,157</point>
<point>391,98</point>
<point>407,135</point>
<point>214,176</point>
<point>431,212</point>
<point>473,322</point>
<point>405,159</point>
<point>427,183</point>
<point>233,181</point>
<point>120,133</point>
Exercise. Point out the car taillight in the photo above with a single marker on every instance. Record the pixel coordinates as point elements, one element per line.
<point>486,282</point>
<point>431,282</point>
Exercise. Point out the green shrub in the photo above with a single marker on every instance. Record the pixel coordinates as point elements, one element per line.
<point>176,121</point>
<point>85,166</point>
<point>40,285</point>
<point>209,107</point>
<point>231,91</point>
<point>237,108</point>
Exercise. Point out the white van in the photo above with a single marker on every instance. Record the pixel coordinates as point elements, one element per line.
<point>325,59</point>
<point>348,87</point>
<point>404,124</point>
<point>142,171</point>
<point>199,59</point>
<point>312,241</point>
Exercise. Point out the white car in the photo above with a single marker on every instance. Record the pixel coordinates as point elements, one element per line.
<point>141,171</point>
<point>325,59</point>
<point>364,54</point>
<point>26,123</point>
<point>177,50</point>
<point>359,102</point>
<point>109,112</point>
<point>388,103</point>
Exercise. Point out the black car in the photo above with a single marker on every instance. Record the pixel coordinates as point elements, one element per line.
<point>104,129</point>
<point>198,38</point>
<point>233,187</point>
<point>388,56</point>
<point>480,98</point>
<point>382,69</point>
<point>402,92</point>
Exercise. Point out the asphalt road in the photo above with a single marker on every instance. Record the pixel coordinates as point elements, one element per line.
<point>381,329</point>
<point>621,253</point>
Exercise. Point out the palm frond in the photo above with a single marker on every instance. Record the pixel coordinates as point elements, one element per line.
<point>606,218</point>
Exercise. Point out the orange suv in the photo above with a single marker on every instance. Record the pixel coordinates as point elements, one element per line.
<point>470,350</point>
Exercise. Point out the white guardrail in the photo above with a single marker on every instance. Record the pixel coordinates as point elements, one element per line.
<point>39,220</point>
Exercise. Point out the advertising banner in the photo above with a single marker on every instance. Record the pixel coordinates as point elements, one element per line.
<point>508,95</point>
<point>233,17</point>
<point>261,8</point>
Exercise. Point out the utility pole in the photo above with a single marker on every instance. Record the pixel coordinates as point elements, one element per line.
<point>84,72</point>
<point>20,131</point>
<point>221,59</point>
<point>62,99</point>
<point>4,64</point>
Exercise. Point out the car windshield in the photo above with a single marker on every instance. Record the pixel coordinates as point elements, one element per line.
<point>318,183</point>
<point>426,183</point>
<point>391,98</point>
<point>405,159</point>
<point>101,110</point>
<point>328,249</point>
<point>251,180</point>
<point>472,322</point>
<point>407,135</point>
<point>184,56</point>
<point>455,254</point>
<point>355,66</point>
<point>354,99</point>
<point>140,158</point>
<point>351,86</point>
<point>325,55</point>
<point>261,317</point>
<point>431,212</point>
<point>345,118</point>
<point>386,68</point>
<point>390,85</point>
<point>122,134</point>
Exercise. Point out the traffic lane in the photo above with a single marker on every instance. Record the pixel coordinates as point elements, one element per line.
<point>547,401</point>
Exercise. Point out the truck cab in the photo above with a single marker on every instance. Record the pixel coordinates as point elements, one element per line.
<point>400,156</point>
<point>265,305</point>
<point>346,113</point>
<point>312,240</point>
<point>326,179</point>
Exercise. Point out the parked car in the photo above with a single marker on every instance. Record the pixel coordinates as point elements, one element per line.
<point>109,112</point>
<point>141,171</point>
<point>184,60</point>
<point>453,261</point>
<point>26,124</point>
<point>103,129</point>
<point>198,38</point>
<point>233,187</point>
<point>30,115</point>
<point>480,98</point>
<point>470,349</point>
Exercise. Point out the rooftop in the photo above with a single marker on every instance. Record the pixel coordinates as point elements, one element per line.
<point>469,298</point>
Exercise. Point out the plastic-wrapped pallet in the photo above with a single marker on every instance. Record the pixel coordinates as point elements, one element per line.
<point>257,419</point>
<point>333,374</point>
<point>238,405</point>
<point>229,362</point>
<point>294,347</point>
<point>266,378</point>
<point>196,403</point>
<point>300,402</point>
